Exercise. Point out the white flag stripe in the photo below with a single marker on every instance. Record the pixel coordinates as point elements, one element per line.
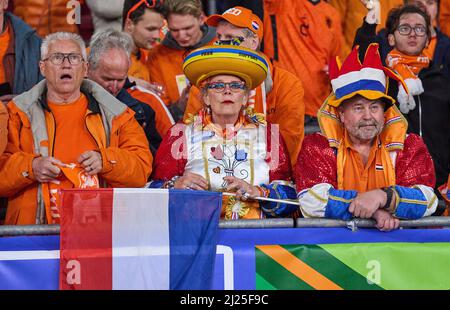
<point>28,255</point>
<point>148,217</point>
<point>54,254</point>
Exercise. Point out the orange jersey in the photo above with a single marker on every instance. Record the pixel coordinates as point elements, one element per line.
<point>352,13</point>
<point>4,43</point>
<point>282,105</point>
<point>444,17</point>
<point>138,67</point>
<point>165,66</point>
<point>163,118</point>
<point>301,37</point>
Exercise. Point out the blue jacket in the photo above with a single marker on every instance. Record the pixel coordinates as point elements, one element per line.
<point>27,55</point>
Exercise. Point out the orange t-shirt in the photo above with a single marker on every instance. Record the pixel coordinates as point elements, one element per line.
<point>69,126</point>
<point>4,43</point>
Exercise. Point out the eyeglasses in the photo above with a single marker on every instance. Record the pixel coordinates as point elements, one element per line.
<point>57,59</point>
<point>219,87</point>
<point>237,41</point>
<point>405,30</point>
<point>148,3</point>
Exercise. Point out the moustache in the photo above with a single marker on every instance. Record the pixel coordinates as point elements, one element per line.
<point>368,124</point>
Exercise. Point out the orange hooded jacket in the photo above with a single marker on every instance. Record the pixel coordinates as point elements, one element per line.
<point>127,161</point>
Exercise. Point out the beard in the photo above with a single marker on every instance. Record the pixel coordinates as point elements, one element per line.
<point>366,130</point>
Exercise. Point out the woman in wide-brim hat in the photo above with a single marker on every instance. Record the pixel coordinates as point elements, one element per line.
<point>226,147</point>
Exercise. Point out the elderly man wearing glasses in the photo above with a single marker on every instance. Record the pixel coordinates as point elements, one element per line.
<point>67,132</point>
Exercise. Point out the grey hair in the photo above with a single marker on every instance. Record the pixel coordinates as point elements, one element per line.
<point>107,40</point>
<point>57,36</point>
<point>247,32</point>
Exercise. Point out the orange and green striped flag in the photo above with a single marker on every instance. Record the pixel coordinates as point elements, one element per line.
<point>355,266</point>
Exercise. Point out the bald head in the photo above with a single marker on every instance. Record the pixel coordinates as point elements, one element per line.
<point>111,70</point>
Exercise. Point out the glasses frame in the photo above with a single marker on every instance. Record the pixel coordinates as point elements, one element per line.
<point>236,41</point>
<point>65,56</point>
<point>233,90</point>
<point>411,29</point>
<point>148,5</point>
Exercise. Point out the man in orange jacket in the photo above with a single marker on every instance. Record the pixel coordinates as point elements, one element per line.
<point>143,22</point>
<point>280,97</point>
<point>67,132</point>
<point>187,31</point>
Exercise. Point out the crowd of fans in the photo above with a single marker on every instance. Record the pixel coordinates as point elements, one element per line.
<point>155,93</point>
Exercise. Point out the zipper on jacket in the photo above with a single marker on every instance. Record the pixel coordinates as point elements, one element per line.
<point>90,133</point>
<point>420,116</point>
<point>54,134</point>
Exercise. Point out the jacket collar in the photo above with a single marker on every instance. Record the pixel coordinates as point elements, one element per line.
<point>99,99</point>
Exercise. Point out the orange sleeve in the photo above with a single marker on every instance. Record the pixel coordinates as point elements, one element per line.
<point>342,7</point>
<point>129,162</point>
<point>3,127</point>
<point>163,118</point>
<point>194,103</point>
<point>338,47</point>
<point>444,16</point>
<point>16,172</point>
<point>290,110</point>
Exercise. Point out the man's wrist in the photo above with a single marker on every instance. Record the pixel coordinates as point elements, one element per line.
<point>389,195</point>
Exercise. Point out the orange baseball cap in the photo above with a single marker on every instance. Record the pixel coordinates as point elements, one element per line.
<point>240,17</point>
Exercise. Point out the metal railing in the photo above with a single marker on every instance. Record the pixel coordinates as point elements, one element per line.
<point>432,221</point>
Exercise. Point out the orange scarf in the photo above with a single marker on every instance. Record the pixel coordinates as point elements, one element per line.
<point>389,140</point>
<point>72,176</point>
<point>408,67</point>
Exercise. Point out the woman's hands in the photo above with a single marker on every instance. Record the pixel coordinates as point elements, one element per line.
<point>244,191</point>
<point>191,181</point>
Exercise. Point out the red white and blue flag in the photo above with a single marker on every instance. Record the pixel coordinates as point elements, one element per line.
<point>138,239</point>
